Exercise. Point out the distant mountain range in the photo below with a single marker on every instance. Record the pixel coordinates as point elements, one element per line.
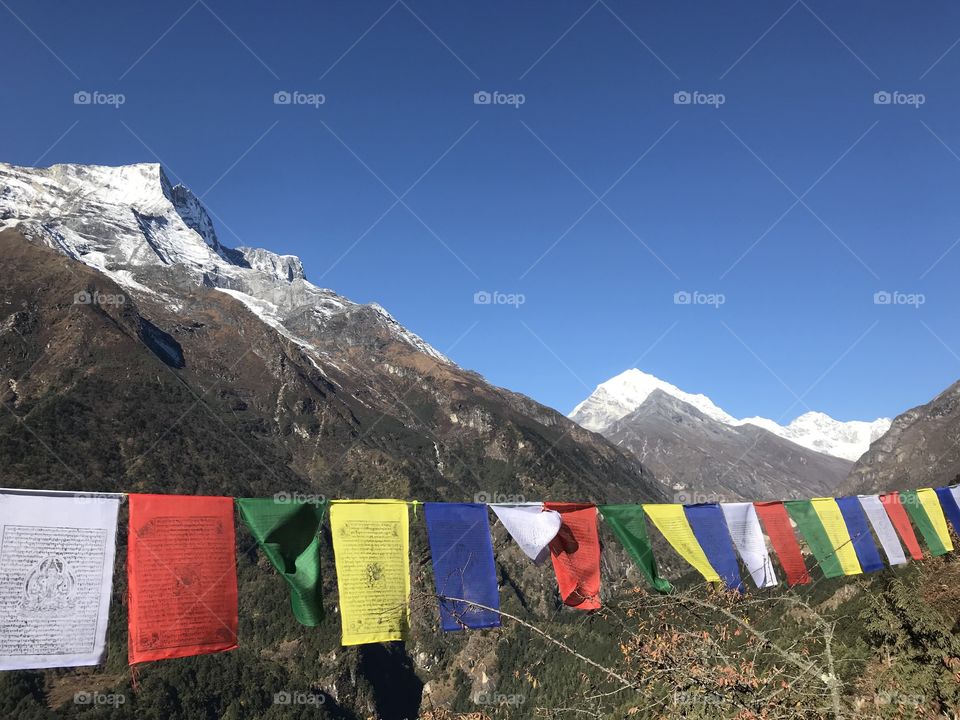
<point>703,452</point>
<point>624,393</point>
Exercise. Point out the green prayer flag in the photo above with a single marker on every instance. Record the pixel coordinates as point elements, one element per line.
<point>810,527</point>
<point>288,534</point>
<point>911,501</point>
<point>628,523</point>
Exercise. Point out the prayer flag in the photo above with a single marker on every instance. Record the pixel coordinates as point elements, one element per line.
<point>371,546</point>
<point>531,526</point>
<point>950,508</point>
<point>288,533</point>
<point>710,529</point>
<point>747,537</point>
<point>784,541</point>
<point>56,573</point>
<point>463,565</point>
<point>923,506</point>
<point>182,576</point>
<point>883,528</point>
<point>628,523</point>
<point>811,528</point>
<point>898,516</point>
<point>832,520</point>
<point>672,522</point>
<point>575,553</point>
<point>863,544</point>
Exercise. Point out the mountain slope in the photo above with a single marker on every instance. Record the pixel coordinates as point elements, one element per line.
<point>624,393</point>
<point>921,449</point>
<point>138,353</point>
<point>709,461</point>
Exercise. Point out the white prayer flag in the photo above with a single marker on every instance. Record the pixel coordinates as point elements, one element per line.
<point>882,526</point>
<point>56,573</point>
<point>744,527</point>
<point>531,527</point>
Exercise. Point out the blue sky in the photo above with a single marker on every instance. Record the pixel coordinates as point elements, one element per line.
<point>781,199</point>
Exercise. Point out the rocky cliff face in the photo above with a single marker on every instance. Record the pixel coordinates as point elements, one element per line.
<point>921,449</point>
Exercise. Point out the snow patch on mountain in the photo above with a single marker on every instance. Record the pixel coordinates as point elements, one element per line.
<point>621,395</point>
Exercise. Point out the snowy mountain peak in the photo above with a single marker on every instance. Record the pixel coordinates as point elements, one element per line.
<point>624,393</point>
<point>621,395</point>
<point>131,223</point>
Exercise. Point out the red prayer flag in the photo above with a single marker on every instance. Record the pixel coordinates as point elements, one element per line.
<point>575,553</point>
<point>898,516</point>
<point>776,521</point>
<point>182,576</point>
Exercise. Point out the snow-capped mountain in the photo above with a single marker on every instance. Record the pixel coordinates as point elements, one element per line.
<point>623,394</point>
<point>820,432</point>
<point>130,221</point>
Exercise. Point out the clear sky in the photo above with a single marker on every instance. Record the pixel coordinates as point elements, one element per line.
<point>781,197</point>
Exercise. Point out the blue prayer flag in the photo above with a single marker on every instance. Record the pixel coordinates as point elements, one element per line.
<point>950,508</point>
<point>463,565</point>
<point>863,544</point>
<point>710,529</point>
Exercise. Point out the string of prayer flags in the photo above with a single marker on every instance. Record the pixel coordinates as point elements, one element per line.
<point>747,537</point>
<point>836,529</point>
<point>924,508</point>
<point>710,529</point>
<point>777,523</point>
<point>856,522</point>
<point>463,565</point>
<point>531,526</point>
<point>371,547</point>
<point>950,507</point>
<point>182,576</point>
<point>898,516</point>
<point>575,553</point>
<point>672,523</point>
<point>288,533</point>
<point>628,523</point>
<point>57,554</point>
<point>810,527</point>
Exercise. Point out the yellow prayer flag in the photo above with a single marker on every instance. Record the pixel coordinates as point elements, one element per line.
<point>832,520</point>
<point>672,522</point>
<point>371,544</point>
<point>931,504</point>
